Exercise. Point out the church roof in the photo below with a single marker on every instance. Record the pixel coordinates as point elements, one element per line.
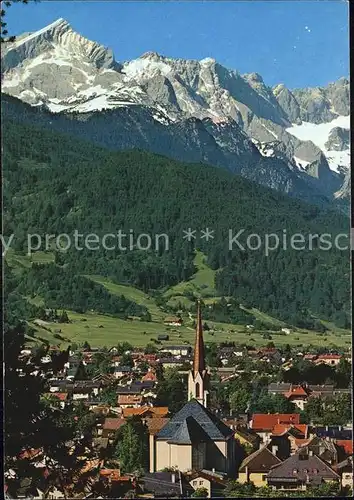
<point>189,432</point>
<point>194,423</point>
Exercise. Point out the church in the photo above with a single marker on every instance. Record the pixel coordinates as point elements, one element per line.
<point>194,438</point>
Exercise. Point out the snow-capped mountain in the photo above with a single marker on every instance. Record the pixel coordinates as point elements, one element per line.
<point>216,114</point>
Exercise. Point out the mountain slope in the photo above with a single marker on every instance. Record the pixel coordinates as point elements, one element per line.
<point>213,112</point>
<point>55,184</point>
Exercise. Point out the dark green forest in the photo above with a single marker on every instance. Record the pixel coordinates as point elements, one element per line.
<point>56,184</point>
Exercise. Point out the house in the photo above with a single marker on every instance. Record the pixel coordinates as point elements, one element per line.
<point>325,449</point>
<point>103,378</point>
<point>121,371</point>
<point>84,389</point>
<point>149,376</point>
<point>163,337</point>
<point>129,400</point>
<point>177,350</point>
<point>170,362</point>
<point>292,433</point>
<point>300,471</point>
<point>297,395</point>
<point>328,359</point>
<point>111,426</point>
<point>146,412</point>
<point>310,357</point>
<point>321,390</point>
<point>246,438</point>
<point>62,397</point>
<point>213,482</point>
<point>345,470</point>
<point>263,423</point>
<point>270,355</point>
<point>154,425</point>
<point>279,388</point>
<point>334,432</point>
<point>173,321</point>
<point>256,466</point>
<point>287,331</point>
<point>165,485</point>
<point>345,446</point>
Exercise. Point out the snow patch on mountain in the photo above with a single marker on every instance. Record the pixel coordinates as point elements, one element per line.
<point>318,133</point>
<point>145,67</point>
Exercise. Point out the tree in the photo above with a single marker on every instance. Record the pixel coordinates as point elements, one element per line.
<point>132,446</point>
<point>150,349</point>
<point>171,390</point>
<point>31,421</point>
<point>200,493</point>
<point>343,373</point>
<point>239,399</point>
<point>127,360</point>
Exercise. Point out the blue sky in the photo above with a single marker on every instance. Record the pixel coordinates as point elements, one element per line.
<point>299,43</point>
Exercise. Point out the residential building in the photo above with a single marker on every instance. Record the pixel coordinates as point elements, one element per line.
<point>256,466</point>
<point>300,471</point>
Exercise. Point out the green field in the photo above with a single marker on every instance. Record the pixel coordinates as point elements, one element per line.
<point>18,261</point>
<point>133,294</point>
<point>105,330</point>
<point>201,284</point>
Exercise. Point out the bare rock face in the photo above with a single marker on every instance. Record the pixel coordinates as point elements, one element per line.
<point>344,191</point>
<point>204,111</point>
<point>288,103</point>
<point>338,139</point>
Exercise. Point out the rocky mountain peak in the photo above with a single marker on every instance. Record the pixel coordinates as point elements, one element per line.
<point>63,71</point>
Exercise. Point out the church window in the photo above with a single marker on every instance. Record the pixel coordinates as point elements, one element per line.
<point>197,390</point>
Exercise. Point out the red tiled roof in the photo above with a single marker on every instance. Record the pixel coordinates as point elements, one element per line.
<point>129,399</point>
<point>329,356</point>
<point>150,357</point>
<point>113,475</point>
<point>63,396</point>
<point>153,411</point>
<point>155,424</point>
<point>266,421</point>
<point>149,376</point>
<point>346,444</point>
<point>302,442</point>
<point>296,391</point>
<point>113,424</point>
<point>30,453</point>
<point>280,429</point>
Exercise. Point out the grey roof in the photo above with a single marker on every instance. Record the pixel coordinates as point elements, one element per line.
<point>162,485</point>
<point>194,422</point>
<point>301,469</point>
<point>189,432</point>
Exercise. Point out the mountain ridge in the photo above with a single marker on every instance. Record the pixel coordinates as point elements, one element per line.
<point>61,71</point>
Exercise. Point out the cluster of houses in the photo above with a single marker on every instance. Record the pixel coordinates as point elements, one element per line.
<point>194,448</point>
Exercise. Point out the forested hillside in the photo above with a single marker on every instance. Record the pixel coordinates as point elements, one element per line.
<point>56,184</point>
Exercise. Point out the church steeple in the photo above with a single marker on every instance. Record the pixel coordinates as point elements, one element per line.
<point>199,354</point>
<point>198,379</point>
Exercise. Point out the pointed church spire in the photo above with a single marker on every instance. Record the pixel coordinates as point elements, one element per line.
<point>199,355</point>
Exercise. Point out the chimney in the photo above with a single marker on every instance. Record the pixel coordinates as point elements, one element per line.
<point>213,470</point>
<point>274,449</point>
<point>310,453</point>
<point>173,477</point>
